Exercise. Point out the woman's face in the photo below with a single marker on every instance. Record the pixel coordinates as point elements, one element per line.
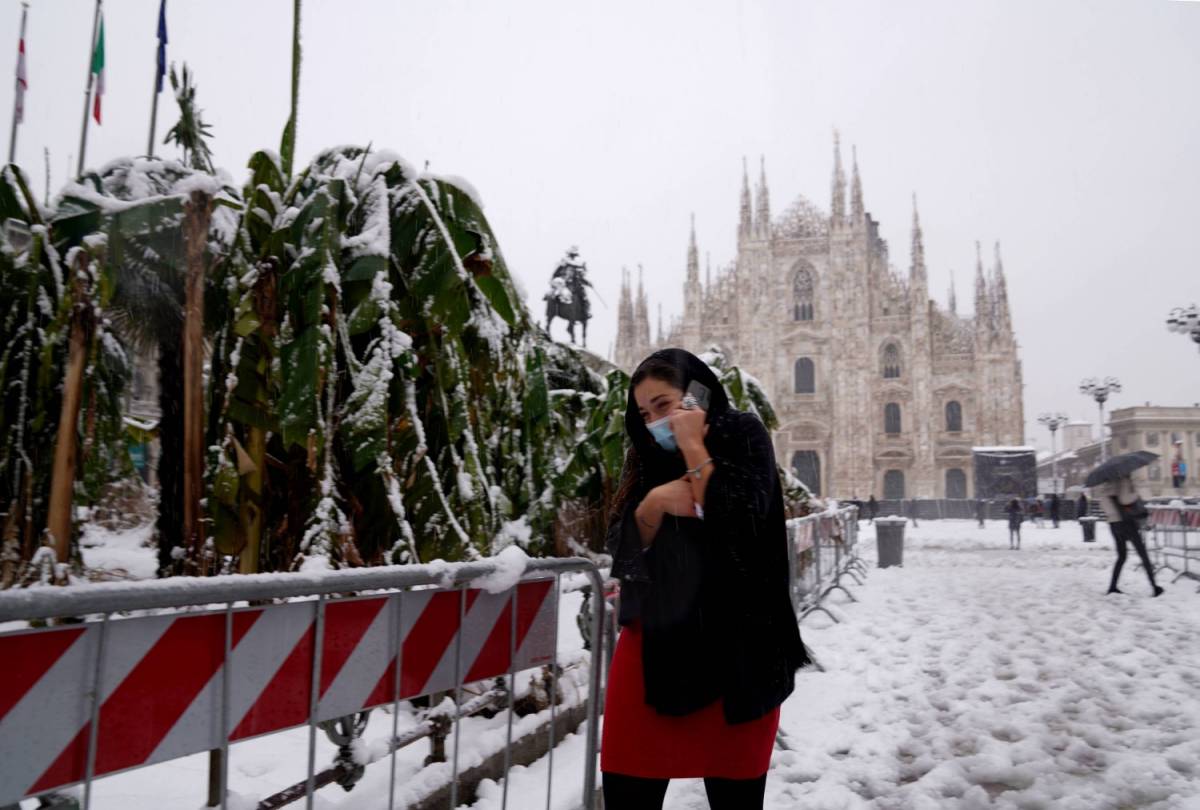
<point>656,398</point>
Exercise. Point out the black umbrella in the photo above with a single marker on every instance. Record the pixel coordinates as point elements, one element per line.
<point>1119,467</point>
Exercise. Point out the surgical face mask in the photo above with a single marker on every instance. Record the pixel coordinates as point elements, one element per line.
<point>660,429</point>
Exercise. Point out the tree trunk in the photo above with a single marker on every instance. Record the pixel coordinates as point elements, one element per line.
<point>169,525</point>
<point>195,235</point>
<point>66,444</point>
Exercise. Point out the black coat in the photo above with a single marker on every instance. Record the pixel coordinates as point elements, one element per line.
<point>712,594</point>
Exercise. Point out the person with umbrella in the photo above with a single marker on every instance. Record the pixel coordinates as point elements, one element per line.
<point>1113,487</point>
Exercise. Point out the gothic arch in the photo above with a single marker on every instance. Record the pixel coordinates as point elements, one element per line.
<point>891,418</point>
<point>954,420</point>
<point>806,465</point>
<point>804,291</point>
<point>956,483</point>
<point>804,377</point>
<point>890,360</point>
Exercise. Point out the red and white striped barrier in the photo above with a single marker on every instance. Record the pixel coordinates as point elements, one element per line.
<point>162,684</point>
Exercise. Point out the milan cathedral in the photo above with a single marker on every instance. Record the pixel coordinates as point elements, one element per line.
<point>878,389</point>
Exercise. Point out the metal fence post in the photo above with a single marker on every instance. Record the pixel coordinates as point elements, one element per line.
<point>396,682</point>
<point>313,699</point>
<point>94,723</point>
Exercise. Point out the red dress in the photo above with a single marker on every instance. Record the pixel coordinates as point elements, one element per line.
<point>638,741</point>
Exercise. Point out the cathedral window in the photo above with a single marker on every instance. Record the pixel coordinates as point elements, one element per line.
<point>893,485</point>
<point>805,377</point>
<point>1152,440</point>
<point>802,295</point>
<point>890,362</point>
<point>891,418</point>
<point>806,464</point>
<point>956,484</point>
<point>953,416</point>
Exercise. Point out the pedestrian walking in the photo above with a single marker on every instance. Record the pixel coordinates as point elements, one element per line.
<point>1016,515</point>
<point>872,507</point>
<point>1035,511</point>
<point>1124,511</point>
<point>1081,506</point>
<point>1054,509</point>
<point>980,510</point>
<point>709,644</point>
<point>911,511</point>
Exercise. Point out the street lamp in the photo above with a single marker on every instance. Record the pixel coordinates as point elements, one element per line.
<point>1185,321</point>
<point>1099,390</point>
<point>1053,421</point>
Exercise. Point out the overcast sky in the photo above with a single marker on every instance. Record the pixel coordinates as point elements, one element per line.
<point>1066,129</point>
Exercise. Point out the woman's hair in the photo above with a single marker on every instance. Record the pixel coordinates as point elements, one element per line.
<point>658,368</point>
<point>655,368</point>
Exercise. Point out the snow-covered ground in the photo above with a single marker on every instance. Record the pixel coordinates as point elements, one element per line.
<point>972,677</point>
<point>981,677</point>
<point>119,554</point>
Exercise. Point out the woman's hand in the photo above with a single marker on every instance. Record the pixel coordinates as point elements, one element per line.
<point>675,498</point>
<point>689,427</point>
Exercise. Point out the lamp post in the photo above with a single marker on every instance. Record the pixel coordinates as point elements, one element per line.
<point>1099,390</point>
<point>1185,321</point>
<point>1053,421</point>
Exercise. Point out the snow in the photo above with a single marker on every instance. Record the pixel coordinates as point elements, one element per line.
<point>125,554</point>
<point>979,677</point>
<point>973,677</point>
<point>510,567</point>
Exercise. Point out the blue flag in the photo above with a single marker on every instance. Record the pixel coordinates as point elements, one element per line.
<point>162,43</point>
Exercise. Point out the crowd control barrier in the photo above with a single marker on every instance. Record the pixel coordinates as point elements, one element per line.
<point>111,693</point>
<point>1175,539</point>
<point>822,549</point>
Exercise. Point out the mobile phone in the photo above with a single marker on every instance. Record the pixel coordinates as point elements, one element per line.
<point>699,391</point>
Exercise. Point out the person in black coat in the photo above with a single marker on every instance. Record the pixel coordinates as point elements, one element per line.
<point>980,510</point>
<point>699,544</point>
<point>1054,508</point>
<point>1016,515</point>
<point>872,507</point>
<point>1081,506</point>
<point>911,510</point>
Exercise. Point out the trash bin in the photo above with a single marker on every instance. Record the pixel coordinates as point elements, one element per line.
<point>1089,528</point>
<point>889,541</point>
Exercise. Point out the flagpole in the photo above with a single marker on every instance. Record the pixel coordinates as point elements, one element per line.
<point>153,112</point>
<point>87,94</point>
<point>159,68</point>
<point>17,96</point>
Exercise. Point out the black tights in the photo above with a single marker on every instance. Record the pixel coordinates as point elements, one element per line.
<point>623,792</point>
<point>1127,532</point>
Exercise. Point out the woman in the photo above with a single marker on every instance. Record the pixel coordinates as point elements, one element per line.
<point>1015,516</point>
<point>710,645</point>
<point>1119,500</point>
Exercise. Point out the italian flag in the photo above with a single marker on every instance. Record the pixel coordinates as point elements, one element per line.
<point>22,83</point>
<point>98,69</point>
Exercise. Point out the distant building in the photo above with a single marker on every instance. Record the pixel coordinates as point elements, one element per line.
<point>1167,431</point>
<point>878,389</point>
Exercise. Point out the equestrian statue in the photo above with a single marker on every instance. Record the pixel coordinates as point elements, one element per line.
<point>567,298</point>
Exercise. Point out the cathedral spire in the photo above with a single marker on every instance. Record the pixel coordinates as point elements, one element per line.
<point>625,350</point>
<point>707,271</point>
<point>983,303</point>
<point>953,297</point>
<point>661,337</point>
<point>837,206</point>
<point>917,274</point>
<point>641,317</point>
<point>763,204</point>
<point>856,195</point>
<point>1003,318</point>
<point>746,213</point>
<point>693,256</point>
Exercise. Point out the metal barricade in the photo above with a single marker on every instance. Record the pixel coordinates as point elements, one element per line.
<point>822,549</point>
<point>1175,539</point>
<point>115,693</point>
